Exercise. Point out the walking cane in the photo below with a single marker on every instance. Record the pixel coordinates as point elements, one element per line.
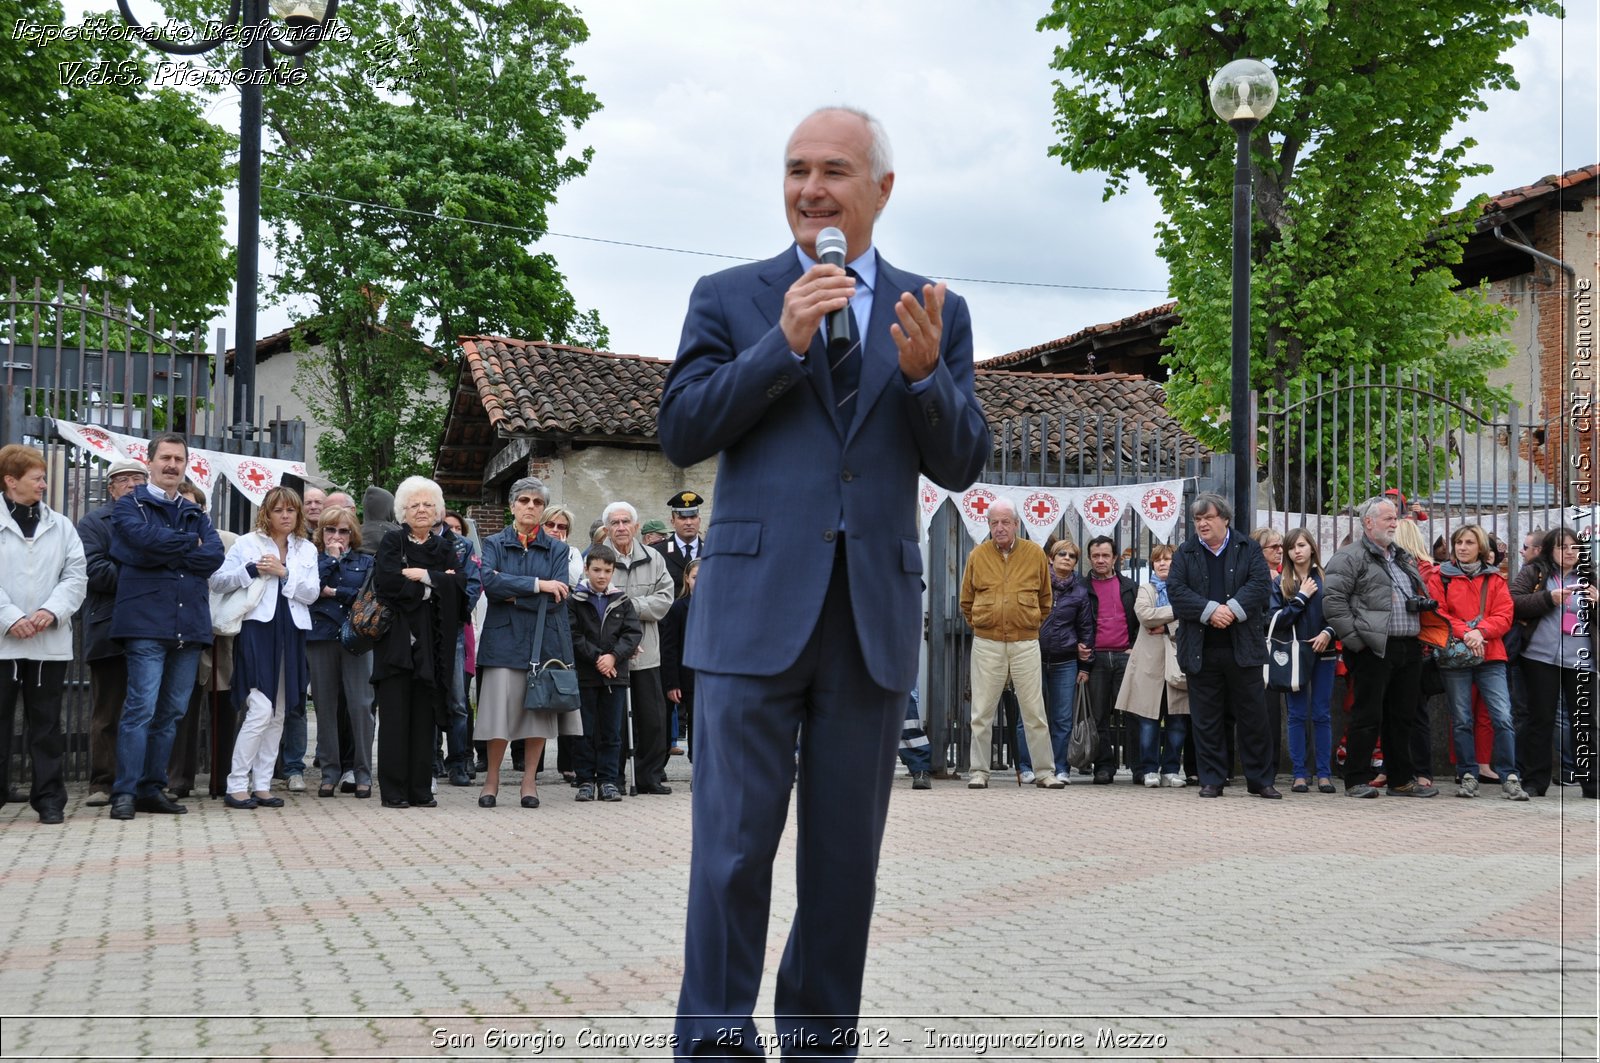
<point>629,775</point>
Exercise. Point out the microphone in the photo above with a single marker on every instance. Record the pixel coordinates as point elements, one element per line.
<point>831,248</point>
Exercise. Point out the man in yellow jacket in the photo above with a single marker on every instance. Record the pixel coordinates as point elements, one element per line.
<point>1005,596</point>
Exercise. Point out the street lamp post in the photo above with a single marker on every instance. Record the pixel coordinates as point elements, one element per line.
<point>1242,94</point>
<point>247,24</point>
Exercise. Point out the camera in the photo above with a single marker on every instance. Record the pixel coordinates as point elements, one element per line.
<point>1421,603</point>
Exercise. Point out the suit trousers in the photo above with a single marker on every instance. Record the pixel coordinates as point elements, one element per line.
<point>992,663</point>
<point>108,689</point>
<point>1105,679</point>
<point>1222,682</point>
<point>1387,690</point>
<point>746,731</point>
<point>38,685</point>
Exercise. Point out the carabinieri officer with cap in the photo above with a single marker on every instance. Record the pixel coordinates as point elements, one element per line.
<point>685,543</point>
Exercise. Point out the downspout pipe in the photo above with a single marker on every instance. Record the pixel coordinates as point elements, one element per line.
<point>1569,356</point>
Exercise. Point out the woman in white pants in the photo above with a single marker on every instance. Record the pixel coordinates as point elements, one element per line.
<point>269,665</point>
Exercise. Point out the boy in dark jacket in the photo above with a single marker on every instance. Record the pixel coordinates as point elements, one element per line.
<point>605,632</point>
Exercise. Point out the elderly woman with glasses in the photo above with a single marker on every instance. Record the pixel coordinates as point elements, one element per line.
<point>412,664</point>
<point>525,574</point>
<point>335,672</point>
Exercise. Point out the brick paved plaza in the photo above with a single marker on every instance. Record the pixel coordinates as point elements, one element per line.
<point>1315,927</point>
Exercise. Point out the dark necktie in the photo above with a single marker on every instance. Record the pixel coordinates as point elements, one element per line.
<point>844,360</point>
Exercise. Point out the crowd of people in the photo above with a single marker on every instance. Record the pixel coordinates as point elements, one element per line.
<point>1184,653</point>
<point>179,619</point>
<point>1179,653</point>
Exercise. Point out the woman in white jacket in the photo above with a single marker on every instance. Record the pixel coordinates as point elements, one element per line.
<point>43,580</point>
<point>270,672</point>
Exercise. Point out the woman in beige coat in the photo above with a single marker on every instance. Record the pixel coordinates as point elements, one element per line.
<point>1162,709</point>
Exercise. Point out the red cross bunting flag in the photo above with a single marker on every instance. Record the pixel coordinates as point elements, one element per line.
<point>1101,509</point>
<point>251,475</point>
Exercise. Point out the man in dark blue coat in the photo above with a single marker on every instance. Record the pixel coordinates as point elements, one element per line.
<point>168,550</point>
<point>808,605</point>
<point>1220,588</point>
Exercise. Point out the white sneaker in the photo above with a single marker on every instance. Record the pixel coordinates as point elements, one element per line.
<point>1511,789</point>
<point>1063,778</point>
<point>1172,780</point>
<point>1152,780</point>
<point>297,784</point>
<point>1027,777</point>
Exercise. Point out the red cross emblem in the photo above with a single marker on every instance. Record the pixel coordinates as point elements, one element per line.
<point>1042,509</point>
<point>258,476</point>
<point>977,502</point>
<point>96,439</point>
<point>138,452</point>
<point>1101,510</point>
<point>200,467</point>
<point>1158,503</point>
<point>930,498</point>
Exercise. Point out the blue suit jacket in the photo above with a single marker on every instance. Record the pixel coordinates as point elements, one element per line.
<point>789,477</point>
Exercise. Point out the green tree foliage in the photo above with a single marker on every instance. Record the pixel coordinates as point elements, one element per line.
<point>1351,178</point>
<point>406,180</point>
<point>105,180</point>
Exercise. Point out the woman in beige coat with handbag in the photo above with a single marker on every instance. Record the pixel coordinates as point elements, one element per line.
<point>1161,706</point>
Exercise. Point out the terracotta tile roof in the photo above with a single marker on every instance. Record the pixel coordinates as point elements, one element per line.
<point>1076,410</point>
<point>1547,186</point>
<point>511,387</point>
<point>1149,316</point>
<point>530,387</point>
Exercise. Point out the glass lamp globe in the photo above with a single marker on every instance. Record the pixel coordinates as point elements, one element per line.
<point>1244,91</point>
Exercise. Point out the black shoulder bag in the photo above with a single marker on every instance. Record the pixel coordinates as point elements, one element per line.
<point>552,684</point>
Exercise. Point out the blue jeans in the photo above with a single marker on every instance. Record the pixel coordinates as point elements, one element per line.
<point>160,679</point>
<point>1490,677</point>
<point>292,750</point>
<point>599,757</point>
<point>1060,688</point>
<point>1314,700</point>
<point>1163,757</point>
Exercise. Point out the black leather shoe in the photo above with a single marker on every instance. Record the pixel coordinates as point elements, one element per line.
<point>238,802</point>
<point>530,800</point>
<point>395,804</point>
<point>1102,778</point>
<point>1269,792</point>
<point>1210,791</point>
<point>921,780</point>
<point>429,803</point>
<point>659,788</point>
<point>486,800</point>
<point>121,806</point>
<point>178,793</point>
<point>459,776</point>
<point>268,801</point>
<point>52,815</point>
<point>159,803</point>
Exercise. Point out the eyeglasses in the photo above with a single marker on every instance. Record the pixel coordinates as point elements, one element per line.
<point>345,532</point>
<point>553,526</point>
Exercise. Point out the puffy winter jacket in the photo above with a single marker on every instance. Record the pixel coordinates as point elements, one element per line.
<point>168,550</point>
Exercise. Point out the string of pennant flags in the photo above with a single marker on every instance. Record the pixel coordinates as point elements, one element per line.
<point>252,476</point>
<point>1158,505</point>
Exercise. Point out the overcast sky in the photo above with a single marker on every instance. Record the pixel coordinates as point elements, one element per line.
<point>699,97</point>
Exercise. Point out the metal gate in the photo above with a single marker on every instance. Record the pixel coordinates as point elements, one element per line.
<point>93,363</point>
<point>1049,450</point>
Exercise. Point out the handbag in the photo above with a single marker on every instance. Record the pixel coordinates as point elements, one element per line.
<point>1175,677</point>
<point>552,684</point>
<point>1455,654</point>
<point>370,616</point>
<point>1288,664</point>
<point>1084,745</point>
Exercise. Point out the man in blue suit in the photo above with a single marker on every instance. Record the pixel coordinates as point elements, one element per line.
<point>808,609</point>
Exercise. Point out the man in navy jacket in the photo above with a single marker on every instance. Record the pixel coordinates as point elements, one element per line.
<point>807,614</point>
<point>168,550</point>
<point>1220,590</point>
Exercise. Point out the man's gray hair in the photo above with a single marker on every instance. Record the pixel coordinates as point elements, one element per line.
<point>531,485</point>
<point>1209,500</point>
<point>879,155</point>
<point>1370,506</point>
<point>614,507</point>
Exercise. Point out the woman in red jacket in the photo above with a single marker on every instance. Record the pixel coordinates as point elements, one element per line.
<point>1474,601</point>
